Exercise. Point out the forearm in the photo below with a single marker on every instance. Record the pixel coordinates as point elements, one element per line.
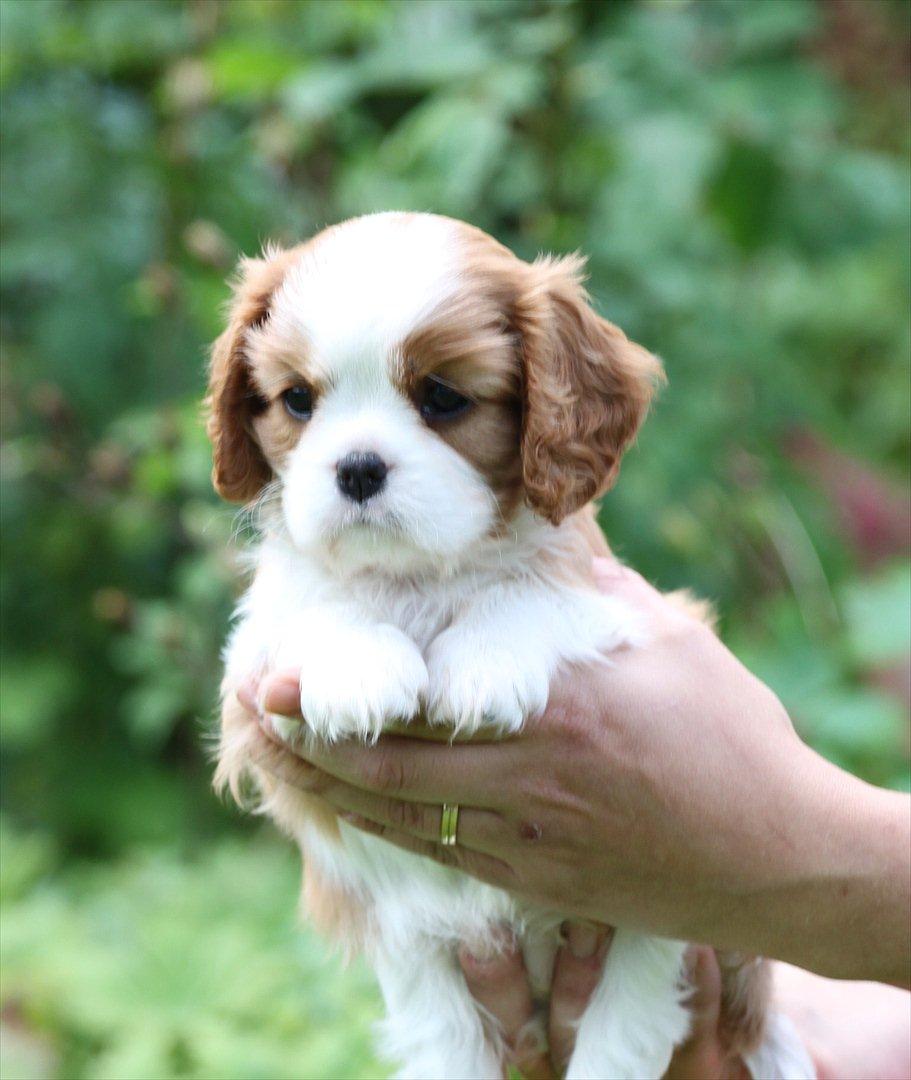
<point>856,1030</point>
<point>834,892</point>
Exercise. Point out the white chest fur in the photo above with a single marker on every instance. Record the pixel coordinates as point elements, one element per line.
<point>473,646</point>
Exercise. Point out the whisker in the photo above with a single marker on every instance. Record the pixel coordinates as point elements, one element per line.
<point>251,520</point>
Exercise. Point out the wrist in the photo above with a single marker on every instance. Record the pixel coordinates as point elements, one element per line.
<point>860,879</point>
<point>834,895</point>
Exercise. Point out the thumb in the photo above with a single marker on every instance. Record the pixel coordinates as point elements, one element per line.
<point>612,578</point>
<point>281,694</point>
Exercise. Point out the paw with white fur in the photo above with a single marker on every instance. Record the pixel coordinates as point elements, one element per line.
<point>475,682</point>
<point>357,682</point>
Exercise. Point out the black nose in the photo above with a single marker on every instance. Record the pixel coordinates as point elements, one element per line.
<point>360,476</point>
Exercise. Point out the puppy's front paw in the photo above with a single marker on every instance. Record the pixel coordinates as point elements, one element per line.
<point>357,687</point>
<point>475,683</point>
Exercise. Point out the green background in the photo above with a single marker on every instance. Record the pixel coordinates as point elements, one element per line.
<point>737,171</point>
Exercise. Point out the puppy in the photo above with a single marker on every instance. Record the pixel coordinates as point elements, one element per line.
<point>423,420</point>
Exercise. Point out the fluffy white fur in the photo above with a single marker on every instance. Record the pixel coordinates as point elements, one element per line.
<point>493,632</point>
<point>410,600</point>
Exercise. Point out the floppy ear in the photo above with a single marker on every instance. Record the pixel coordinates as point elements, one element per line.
<point>239,469</point>
<point>586,391</point>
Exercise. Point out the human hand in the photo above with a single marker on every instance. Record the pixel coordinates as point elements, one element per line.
<point>853,1030</point>
<point>664,790</point>
<point>539,1049</point>
<point>599,789</point>
<point>498,983</point>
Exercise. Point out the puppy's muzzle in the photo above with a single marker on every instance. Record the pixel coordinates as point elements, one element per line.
<point>361,475</point>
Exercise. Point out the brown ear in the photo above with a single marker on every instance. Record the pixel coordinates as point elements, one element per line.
<point>586,386</point>
<point>239,469</point>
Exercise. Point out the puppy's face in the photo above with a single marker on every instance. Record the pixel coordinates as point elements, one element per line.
<point>410,384</point>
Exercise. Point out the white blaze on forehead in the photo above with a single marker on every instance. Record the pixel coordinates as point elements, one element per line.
<point>365,285</point>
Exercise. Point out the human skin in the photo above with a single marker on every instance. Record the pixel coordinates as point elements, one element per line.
<point>496,983</point>
<point>664,790</point>
<point>852,1030</point>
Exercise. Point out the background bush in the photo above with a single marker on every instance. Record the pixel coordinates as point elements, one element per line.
<point>737,171</point>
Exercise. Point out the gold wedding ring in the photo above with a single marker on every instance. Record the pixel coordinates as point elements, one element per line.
<point>449,824</point>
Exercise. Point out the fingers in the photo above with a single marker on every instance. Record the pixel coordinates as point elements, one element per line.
<point>282,695</point>
<point>273,755</point>
<point>476,863</point>
<point>703,1056</point>
<point>398,767</point>
<point>248,693</point>
<point>577,969</point>
<point>477,829</point>
<point>417,771</point>
<point>497,981</point>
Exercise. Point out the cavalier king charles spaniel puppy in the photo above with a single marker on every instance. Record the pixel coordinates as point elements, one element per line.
<point>422,420</point>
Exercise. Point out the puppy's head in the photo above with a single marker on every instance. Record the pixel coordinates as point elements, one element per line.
<point>410,384</point>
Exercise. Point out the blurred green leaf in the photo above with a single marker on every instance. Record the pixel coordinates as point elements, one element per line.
<point>737,173</point>
<point>27,857</point>
<point>34,690</point>
<point>164,967</point>
<point>877,615</point>
<point>243,70</point>
<point>853,724</point>
<point>745,192</point>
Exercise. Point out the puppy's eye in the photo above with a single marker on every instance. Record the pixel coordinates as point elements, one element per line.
<point>299,402</point>
<point>439,401</point>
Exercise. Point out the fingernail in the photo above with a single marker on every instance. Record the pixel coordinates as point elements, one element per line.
<point>281,694</point>
<point>248,695</point>
<point>582,939</point>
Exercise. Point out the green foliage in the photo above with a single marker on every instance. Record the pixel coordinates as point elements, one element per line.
<point>152,973</point>
<point>740,183</point>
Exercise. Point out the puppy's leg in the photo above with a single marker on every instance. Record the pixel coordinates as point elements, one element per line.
<point>493,665</point>
<point>432,1024</point>
<point>356,676</point>
<point>637,1014</point>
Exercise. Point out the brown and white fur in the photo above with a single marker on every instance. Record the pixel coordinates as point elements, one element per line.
<point>456,591</point>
